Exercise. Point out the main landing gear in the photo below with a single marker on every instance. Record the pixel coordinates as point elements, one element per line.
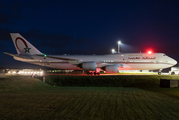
<point>93,73</point>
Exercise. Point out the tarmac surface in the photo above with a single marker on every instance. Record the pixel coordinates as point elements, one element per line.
<point>70,74</point>
<point>48,74</point>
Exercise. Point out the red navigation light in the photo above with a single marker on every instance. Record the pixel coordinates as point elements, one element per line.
<point>149,52</point>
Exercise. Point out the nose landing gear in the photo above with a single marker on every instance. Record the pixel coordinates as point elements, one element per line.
<point>160,72</point>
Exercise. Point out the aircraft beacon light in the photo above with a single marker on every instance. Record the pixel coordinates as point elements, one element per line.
<point>149,52</point>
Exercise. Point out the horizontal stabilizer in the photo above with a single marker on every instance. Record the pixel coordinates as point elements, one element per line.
<point>59,58</point>
<point>10,54</point>
<point>19,56</point>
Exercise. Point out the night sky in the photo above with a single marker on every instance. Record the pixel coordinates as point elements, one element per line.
<point>90,27</point>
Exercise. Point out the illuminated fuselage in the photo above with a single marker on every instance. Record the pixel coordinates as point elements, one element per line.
<point>125,61</point>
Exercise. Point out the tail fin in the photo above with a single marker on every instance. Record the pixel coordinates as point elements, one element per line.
<point>22,45</point>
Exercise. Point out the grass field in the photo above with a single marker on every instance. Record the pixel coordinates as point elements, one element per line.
<point>109,81</point>
<point>30,98</point>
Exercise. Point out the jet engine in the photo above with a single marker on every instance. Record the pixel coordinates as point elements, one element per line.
<point>89,66</point>
<point>111,69</point>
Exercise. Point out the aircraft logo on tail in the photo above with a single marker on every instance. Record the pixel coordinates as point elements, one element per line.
<point>22,45</point>
<point>26,46</point>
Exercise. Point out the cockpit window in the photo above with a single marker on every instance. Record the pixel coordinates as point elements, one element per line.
<point>164,55</point>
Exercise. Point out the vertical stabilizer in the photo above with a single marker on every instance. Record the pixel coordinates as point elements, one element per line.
<point>22,45</point>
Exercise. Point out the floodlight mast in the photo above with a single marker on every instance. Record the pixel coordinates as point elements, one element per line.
<point>119,42</point>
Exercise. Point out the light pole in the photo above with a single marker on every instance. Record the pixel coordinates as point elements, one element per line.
<point>119,42</point>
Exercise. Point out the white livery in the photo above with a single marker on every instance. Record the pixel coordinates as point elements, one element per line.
<point>111,63</point>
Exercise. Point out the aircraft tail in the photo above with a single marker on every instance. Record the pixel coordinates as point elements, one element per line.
<point>22,45</point>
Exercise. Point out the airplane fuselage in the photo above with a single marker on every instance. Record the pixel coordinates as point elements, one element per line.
<point>125,61</point>
<point>111,63</point>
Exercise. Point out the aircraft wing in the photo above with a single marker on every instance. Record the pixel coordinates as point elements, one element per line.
<point>59,58</point>
<point>71,61</point>
<point>77,61</point>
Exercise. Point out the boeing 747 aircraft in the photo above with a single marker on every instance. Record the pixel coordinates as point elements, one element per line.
<point>111,63</point>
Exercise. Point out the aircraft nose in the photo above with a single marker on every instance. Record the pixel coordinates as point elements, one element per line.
<point>174,62</point>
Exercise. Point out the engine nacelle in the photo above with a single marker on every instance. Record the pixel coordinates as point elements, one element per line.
<point>111,69</point>
<point>89,66</point>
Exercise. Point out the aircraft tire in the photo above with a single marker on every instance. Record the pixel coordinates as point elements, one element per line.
<point>87,73</point>
<point>173,73</point>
